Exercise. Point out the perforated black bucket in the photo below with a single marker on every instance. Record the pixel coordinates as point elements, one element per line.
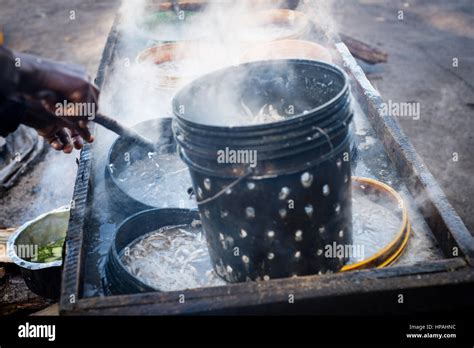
<point>280,213</point>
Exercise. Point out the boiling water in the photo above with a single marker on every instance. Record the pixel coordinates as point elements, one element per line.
<point>158,181</point>
<point>171,259</point>
<point>374,223</point>
<point>177,258</point>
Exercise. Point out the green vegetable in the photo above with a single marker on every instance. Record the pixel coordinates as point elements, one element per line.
<point>166,18</point>
<point>50,252</point>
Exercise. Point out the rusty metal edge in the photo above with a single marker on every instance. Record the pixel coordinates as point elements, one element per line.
<point>72,265</point>
<point>73,262</point>
<point>261,294</point>
<point>380,300</point>
<point>448,228</point>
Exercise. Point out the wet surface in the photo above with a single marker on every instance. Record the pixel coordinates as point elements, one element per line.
<point>157,180</point>
<point>372,162</point>
<point>103,219</point>
<point>177,258</point>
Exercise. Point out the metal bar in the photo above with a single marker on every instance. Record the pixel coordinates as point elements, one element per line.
<point>263,296</point>
<point>72,265</point>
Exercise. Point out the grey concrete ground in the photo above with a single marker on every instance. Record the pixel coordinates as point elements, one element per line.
<point>421,49</point>
<point>45,28</point>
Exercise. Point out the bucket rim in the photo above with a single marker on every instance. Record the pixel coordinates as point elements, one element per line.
<point>301,117</point>
<point>256,175</point>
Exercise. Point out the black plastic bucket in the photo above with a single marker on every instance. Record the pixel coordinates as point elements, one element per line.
<point>118,279</point>
<point>276,216</point>
<point>126,204</point>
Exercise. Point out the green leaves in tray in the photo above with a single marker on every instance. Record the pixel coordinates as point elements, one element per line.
<point>50,252</point>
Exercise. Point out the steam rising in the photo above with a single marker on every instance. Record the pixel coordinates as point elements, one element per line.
<point>137,91</point>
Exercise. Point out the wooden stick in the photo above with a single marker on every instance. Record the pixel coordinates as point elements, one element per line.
<point>363,51</point>
<point>125,131</point>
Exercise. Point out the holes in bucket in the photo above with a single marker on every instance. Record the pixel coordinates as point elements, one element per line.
<point>309,210</point>
<point>319,252</point>
<point>207,184</point>
<point>341,234</point>
<point>299,236</point>
<point>266,277</point>
<point>298,255</point>
<point>224,213</point>
<point>251,185</point>
<point>250,212</point>
<point>339,163</point>
<point>306,179</point>
<point>322,229</point>
<point>229,241</point>
<point>271,234</point>
<point>245,259</point>
<point>228,269</point>
<point>326,190</point>
<point>337,208</point>
<point>243,233</point>
<point>226,241</point>
<point>284,193</point>
<point>207,213</point>
<point>282,213</point>
<point>228,191</point>
<point>346,179</point>
<point>199,192</point>
<point>270,256</point>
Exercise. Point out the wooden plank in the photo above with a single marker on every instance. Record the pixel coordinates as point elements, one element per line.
<point>363,51</point>
<point>337,294</point>
<point>52,310</point>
